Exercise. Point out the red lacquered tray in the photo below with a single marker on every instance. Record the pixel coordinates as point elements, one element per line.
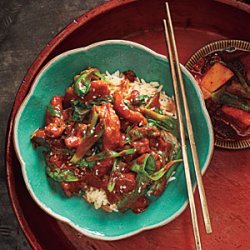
<point>227,179</point>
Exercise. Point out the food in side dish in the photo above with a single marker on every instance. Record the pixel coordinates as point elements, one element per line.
<point>112,139</point>
<point>224,78</point>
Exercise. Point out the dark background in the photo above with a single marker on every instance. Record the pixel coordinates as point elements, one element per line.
<point>25,28</point>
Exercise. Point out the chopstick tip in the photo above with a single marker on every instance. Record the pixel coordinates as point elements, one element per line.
<point>167,5</point>
<point>208,228</point>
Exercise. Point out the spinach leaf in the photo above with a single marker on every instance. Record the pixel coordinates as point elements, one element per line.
<point>150,164</point>
<point>173,156</point>
<point>79,110</point>
<point>147,167</point>
<point>142,182</point>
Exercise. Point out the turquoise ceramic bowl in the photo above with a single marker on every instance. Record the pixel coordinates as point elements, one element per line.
<point>53,79</point>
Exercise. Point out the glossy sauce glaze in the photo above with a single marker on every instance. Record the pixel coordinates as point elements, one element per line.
<point>104,137</point>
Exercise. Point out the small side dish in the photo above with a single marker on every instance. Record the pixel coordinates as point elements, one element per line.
<point>224,78</point>
<point>111,139</point>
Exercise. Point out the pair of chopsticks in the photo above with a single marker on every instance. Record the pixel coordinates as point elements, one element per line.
<point>178,83</point>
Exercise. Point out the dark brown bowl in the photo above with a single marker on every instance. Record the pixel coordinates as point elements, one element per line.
<point>227,44</point>
<point>227,179</point>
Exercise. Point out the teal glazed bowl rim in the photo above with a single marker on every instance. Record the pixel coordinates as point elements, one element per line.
<point>101,226</point>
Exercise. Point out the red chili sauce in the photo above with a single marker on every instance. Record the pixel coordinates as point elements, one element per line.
<point>95,136</point>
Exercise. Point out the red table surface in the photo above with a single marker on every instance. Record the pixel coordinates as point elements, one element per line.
<point>227,180</point>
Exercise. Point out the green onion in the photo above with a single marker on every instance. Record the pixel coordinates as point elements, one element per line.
<point>52,111</point>
<point>164,126</point>
<point>86,164</point>
<point>158,175</point>
<point>83,82</point>
<point>110,154</point>
<point>142,99</point>
<point>111,183</point>
<point>61,175</point>
<point>234,101</point>
<point>224,98</point>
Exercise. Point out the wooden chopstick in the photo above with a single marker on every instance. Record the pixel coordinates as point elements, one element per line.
<point>175,65</point>
<point>183,146</point>
<point>201,190</point>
